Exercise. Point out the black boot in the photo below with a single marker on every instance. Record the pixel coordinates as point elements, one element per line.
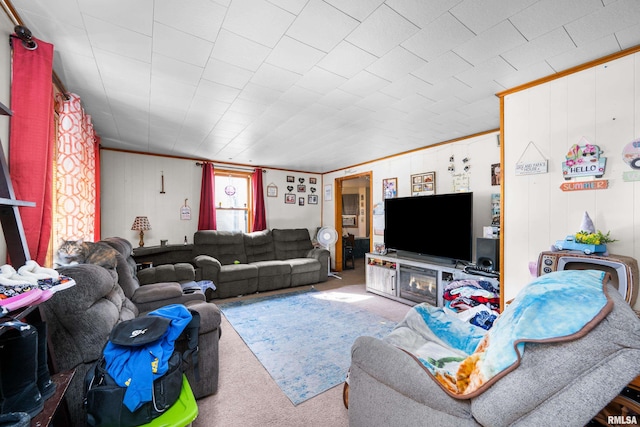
<point>45,385</point>
<point>18,370</point>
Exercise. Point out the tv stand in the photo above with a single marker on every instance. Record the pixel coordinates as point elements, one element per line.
<point>408,280</point>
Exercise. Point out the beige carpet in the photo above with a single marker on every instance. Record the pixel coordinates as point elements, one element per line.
<point>247,396</point>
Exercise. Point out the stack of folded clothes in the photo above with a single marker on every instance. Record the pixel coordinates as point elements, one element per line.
<point>29,285</point>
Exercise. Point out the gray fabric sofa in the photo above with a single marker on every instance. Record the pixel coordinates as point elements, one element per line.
<point>244,263</point>
<point>80,319</point>
<point>565,383</point>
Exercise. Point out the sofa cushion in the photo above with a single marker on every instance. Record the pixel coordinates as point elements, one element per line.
<point>291,243</point>
<point>226,246</point>
<point>259,246</point>
<point>181,272</point>
<point>303,265</point>
<point>233,272</point>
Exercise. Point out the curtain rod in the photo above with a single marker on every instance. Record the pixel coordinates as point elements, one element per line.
<point>224,166</point>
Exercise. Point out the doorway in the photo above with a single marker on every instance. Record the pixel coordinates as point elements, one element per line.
<point>353,213</point>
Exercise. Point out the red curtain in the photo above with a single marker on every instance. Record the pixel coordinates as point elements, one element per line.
<point>31,142</point>
<point>259,216</point>
<point>207,214</point>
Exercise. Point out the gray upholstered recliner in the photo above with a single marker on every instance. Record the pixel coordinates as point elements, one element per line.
<point>158,290</point>
<point>562,383</point>
<point>81,318</point>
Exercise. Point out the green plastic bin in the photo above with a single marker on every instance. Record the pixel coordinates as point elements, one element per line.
<point>182,413</point>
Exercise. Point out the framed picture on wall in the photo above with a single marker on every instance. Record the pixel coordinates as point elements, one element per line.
<point>301,201</point>
<point>312,180</point>
<point>290,198</point>
<point>313,199</point>
<point>389,188</point>
<point>290,178</point>
<point>302,188</point>
<point>328,192</point>
<point>423,184</point>
<point>272,190</point>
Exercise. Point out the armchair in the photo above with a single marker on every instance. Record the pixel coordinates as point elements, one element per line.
<point>159,288</point>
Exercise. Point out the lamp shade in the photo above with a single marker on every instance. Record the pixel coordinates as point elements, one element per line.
<point>141,223</point>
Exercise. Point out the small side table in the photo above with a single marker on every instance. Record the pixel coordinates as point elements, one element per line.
<point>51,405</point>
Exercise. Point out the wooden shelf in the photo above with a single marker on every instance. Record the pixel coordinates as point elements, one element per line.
<point>51,405</point>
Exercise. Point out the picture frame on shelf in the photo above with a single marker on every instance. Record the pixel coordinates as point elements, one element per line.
<point>423,184</point>
<point>389,188</point>
<point>290,198</point>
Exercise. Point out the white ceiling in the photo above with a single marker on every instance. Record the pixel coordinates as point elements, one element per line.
<point>312,85</point>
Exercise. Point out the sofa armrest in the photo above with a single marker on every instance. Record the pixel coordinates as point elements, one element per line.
<point>156,295</point>
<point>322,255</point>
<point>208,268</point>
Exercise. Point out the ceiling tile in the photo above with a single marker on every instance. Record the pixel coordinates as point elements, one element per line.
<point>444,66</point>
<point>491,69</point>
<point>550,44</point>
<point>629,37</point>
<point>439,36</point>
<point>181,46</point>
<point>479,16</point>
<point>358,9</point>
<point>322,26</point>
<point>118,40</point>
<point>295,56</point>
<point>363,84</point>
<point>175,70</point>
<point>525,75</point>
<point>247,17</point>
<point>199,18</point>
<point>618,16</point>
<point>585,53</point>
<point>226,74</point>
<point>135,15</point>
<point>406,86</point>
<point>493,42</point>
<point>320,81</point>
<point>395,64</point>
<point>346,60</point>
<point>275,78</point>
<point>239,51</point>
<point>421,12</point>
<point>382,31</point>
<point>546,15</point>
<point>293,6</point>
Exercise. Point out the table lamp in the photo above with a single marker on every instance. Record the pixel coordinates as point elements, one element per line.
<point>141,223</point>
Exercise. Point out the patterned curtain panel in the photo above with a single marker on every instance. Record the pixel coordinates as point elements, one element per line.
<point>77,177</point>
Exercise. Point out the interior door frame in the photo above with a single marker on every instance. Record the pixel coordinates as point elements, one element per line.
<point>338,213</point>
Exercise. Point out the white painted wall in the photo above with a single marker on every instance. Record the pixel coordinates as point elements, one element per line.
<point>482,151</point>
<point>131,185</point>
<point>602,104</point>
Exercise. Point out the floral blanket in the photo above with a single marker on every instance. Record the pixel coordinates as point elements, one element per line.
<point>466,359</point>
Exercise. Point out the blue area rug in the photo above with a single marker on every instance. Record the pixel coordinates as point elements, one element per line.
<point>304,338</point>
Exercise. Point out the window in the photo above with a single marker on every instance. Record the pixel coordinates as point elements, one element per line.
<point>233,205</point>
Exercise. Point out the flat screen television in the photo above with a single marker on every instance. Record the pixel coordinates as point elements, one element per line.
<point>438,227</point>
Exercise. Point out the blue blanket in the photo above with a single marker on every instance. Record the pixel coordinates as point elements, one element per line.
<point>465,359</point>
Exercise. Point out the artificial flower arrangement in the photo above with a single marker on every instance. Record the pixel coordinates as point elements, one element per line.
<point>587,240</point>
<point>591,238</point>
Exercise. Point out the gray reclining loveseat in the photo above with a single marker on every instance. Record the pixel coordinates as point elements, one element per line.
<point>556,384</point>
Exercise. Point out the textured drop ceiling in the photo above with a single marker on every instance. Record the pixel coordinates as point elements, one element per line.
<point>312,85</point>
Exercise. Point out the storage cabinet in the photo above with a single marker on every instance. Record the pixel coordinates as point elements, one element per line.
<point>410,281</point>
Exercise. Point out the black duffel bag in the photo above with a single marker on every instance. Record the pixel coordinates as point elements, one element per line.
<point>104,397</point>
